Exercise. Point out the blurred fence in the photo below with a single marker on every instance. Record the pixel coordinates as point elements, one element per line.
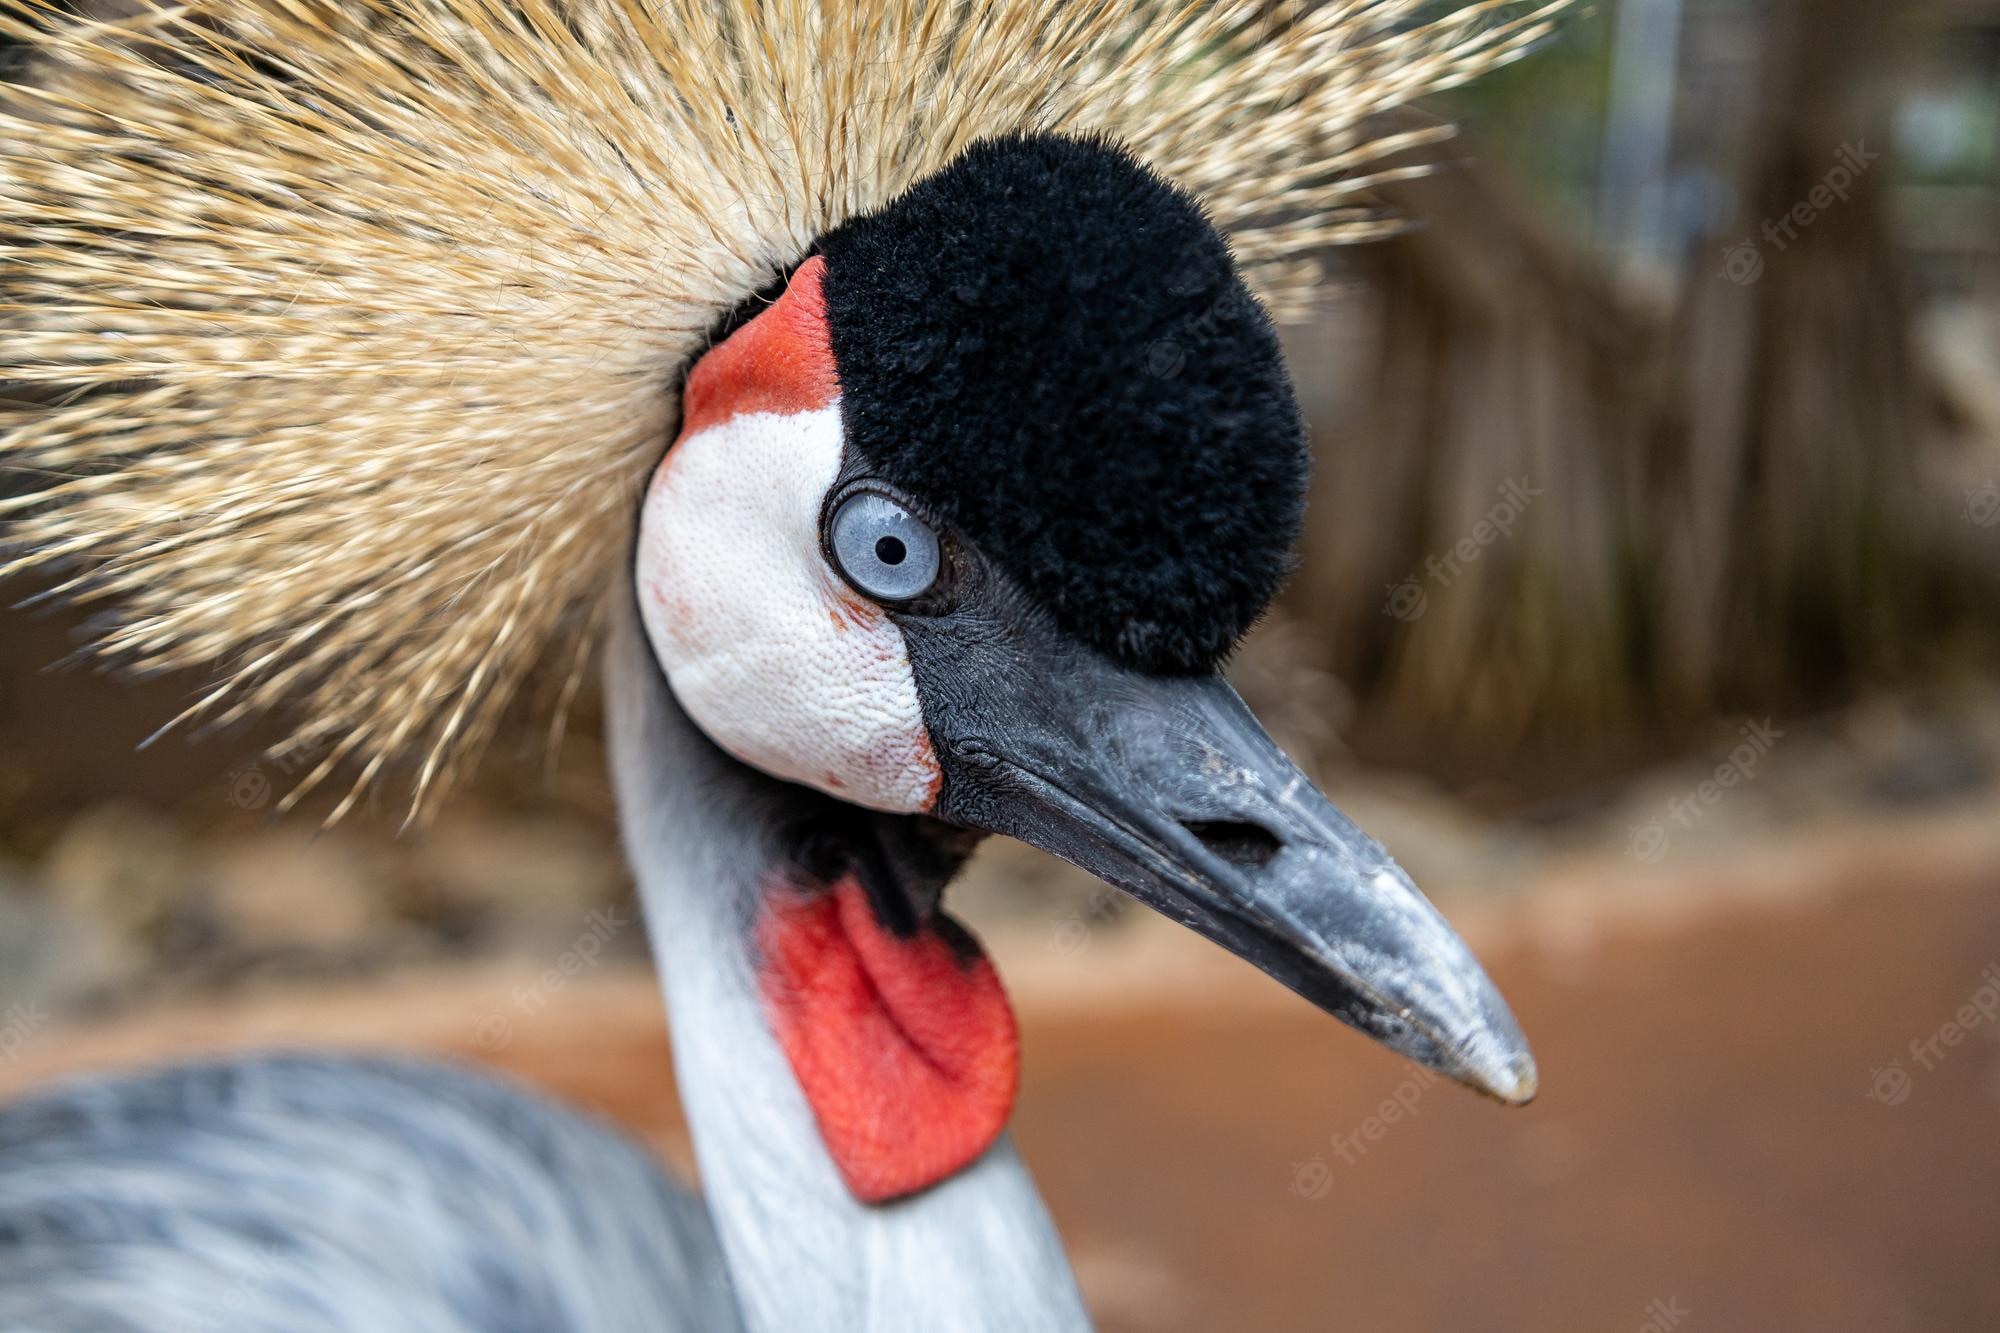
<point>1571,494</point>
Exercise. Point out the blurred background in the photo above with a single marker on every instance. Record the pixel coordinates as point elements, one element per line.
<point>1648,615</point>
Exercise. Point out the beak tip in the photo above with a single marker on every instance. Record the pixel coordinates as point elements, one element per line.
<point>1514,1081</point>
<point>1527,1083</point>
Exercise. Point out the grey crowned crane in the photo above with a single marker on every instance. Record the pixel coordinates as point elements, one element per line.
<point>359,336</point>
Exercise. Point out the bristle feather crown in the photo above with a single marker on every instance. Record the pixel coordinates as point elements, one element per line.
<point>336,339</point>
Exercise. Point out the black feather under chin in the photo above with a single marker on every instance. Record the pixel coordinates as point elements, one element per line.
<point>1050,346</point>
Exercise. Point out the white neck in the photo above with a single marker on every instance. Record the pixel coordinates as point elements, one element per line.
<point>976,1252</point>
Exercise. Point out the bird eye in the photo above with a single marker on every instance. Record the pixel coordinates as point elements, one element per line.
<point>882,548</point>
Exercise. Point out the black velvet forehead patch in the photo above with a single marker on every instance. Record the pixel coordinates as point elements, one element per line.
<point>1050,346</point>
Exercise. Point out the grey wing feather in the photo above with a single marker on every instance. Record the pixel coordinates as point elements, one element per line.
<point>331,1194</point>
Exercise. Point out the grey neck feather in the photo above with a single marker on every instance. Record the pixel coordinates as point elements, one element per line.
<point>977,1252</point>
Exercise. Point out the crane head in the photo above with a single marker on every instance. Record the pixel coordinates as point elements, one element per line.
<point>958,529</point>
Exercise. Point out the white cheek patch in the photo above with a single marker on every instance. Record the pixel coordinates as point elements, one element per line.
<point>773,656</point>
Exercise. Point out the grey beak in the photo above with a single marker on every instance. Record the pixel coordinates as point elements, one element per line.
<point>1168,788</point>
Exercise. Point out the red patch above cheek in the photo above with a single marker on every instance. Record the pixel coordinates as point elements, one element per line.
<point>781,361</point>
<point>906,1048</point>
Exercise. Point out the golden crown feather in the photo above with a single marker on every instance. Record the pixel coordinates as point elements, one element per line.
<point>339,337</point>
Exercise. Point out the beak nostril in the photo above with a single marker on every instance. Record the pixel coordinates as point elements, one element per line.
<point>1246,846</point>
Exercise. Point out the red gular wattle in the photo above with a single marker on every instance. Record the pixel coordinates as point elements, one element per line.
<point>905,1046</point>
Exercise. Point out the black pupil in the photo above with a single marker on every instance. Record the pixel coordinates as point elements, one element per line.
<point>890,550</point>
